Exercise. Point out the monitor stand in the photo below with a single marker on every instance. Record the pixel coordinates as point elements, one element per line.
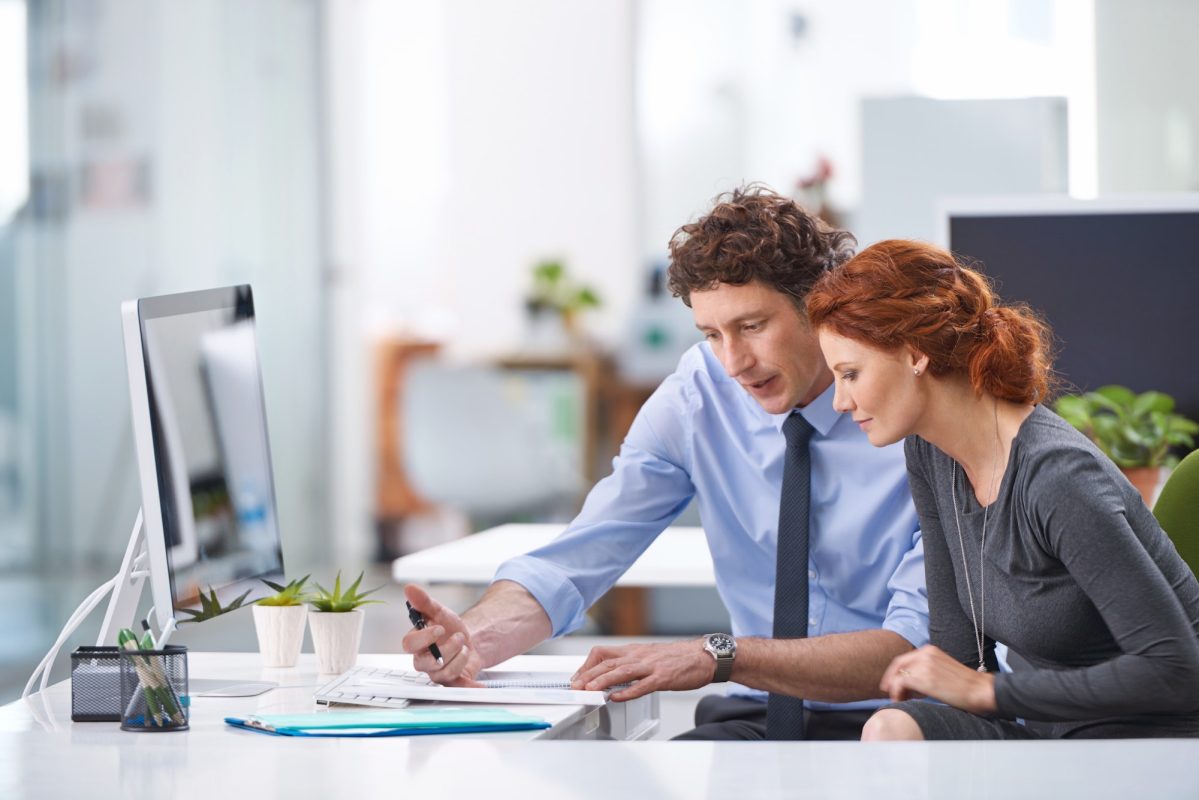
<point>122,612</point>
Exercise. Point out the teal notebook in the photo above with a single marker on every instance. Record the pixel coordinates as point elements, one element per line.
<point>400,722</point>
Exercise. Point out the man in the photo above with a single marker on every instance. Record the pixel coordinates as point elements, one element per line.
<point>849,570</point>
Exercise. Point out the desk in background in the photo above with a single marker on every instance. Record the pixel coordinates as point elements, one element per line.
<point>679,557</point>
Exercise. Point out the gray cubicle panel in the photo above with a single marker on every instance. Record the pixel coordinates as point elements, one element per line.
<point>916,150</point>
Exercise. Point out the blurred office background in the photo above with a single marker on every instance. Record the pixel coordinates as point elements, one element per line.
<point>389,174</point>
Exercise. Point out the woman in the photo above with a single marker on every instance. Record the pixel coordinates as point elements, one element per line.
<point>1032,537</point>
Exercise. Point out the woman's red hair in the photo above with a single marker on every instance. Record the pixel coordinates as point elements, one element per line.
<point>899,292</point>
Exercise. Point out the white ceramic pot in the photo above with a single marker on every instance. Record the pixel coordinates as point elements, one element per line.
<point>280,633</point>
<point>335,638</point>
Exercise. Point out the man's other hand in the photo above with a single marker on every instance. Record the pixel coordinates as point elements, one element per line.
<point>648,667</point>
<point>460,662</point>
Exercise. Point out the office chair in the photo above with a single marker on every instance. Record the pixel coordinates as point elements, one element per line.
<point>496,444</point>
<point>1177,509</point>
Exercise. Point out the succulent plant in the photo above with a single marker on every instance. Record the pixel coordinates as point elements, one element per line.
<point>292,594</point>
<point>338,601</point>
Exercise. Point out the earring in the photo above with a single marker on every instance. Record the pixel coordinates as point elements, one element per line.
<point>915,372</point>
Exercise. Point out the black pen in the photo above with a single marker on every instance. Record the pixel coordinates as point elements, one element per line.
<point>418,622</point>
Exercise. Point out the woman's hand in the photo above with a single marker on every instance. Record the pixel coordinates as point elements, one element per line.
<point>929,672</point>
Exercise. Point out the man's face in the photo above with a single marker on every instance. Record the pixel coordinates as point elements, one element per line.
<point>763,342</point>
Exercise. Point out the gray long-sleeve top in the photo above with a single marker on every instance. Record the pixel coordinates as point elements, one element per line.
<point>1081,581</point>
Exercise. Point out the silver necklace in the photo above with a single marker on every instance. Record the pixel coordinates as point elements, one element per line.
<point>979,622</point>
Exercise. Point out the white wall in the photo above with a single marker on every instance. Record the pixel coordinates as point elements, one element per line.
<point>468,140</point>
<point>1148,103</point>
<point>918,151</point>
<point>733,92</point>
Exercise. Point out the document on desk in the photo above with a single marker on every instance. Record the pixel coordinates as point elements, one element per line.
<point>391,687</point>
<point>405,722</point>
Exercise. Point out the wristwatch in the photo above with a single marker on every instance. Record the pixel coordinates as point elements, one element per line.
<point>723,648</point>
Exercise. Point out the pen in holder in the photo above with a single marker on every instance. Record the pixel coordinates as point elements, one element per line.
<point>154,689</point>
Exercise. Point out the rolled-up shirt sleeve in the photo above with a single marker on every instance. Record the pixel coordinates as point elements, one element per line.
<point>649,487</point>
<point>907,613</point>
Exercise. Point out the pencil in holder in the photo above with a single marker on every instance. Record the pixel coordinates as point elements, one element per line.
<point>96,684</point>
<point>154,689</point>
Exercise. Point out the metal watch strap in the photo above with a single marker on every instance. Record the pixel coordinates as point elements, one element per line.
<point>723,648</point>
<point>724,668</point>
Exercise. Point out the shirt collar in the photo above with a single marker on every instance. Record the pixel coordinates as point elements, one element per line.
<point>819,413</point>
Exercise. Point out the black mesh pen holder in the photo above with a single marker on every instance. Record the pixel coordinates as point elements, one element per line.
<point>96,684</point>
<point>154,689</point>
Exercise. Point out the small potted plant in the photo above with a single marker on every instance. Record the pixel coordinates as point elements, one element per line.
<point>279,622</point>
<point>336,623</point>
<point>1137,431</point>
<point>554,303</point>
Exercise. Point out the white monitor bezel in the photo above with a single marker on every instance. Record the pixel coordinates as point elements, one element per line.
<point>159,562</point>
<point>143,442</point>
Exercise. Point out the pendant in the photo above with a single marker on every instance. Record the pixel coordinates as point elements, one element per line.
<point>982,667</point>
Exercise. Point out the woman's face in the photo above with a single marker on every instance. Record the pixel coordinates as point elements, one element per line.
<point>879,388</point>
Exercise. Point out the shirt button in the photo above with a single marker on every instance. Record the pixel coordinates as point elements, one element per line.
<point>811,620</point>
<point>812,574</point>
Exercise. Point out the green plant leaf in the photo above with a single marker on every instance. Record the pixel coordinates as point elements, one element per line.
<point>549,271</point>
<point>1183,425</point>
<point>1075,410</point>
<point>1133,430</point>
<point>339,601</point>
<point>553,288</point>
<point>1180,439</point>
<point>586,298</point>
<point>1153,401</point>
<point>290,595</point>
<point>1120,396</point>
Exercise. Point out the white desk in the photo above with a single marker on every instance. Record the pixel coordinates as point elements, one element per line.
<point>96,760</point>
<point>678,557</point>
<point>636,720</point>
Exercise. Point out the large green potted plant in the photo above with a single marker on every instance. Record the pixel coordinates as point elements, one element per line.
<point>1140,432</point>
<point>279,623</point>
<point>336,623</point>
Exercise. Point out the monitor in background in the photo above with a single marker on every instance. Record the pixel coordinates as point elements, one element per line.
<point>1117,279</point>
<point>199,425</point>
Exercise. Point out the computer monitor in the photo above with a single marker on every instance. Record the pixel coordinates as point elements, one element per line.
<point>203,454</point>
<point>1117,279</point>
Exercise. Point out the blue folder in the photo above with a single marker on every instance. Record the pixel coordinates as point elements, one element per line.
<point>400,722</point>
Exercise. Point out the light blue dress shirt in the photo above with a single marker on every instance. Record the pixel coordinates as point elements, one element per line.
<point>702,435</point>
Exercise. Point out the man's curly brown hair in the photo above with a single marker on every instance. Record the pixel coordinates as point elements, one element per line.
<point>755,234</point>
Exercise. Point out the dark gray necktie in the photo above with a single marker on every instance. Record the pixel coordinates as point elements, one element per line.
<point>784,714</point>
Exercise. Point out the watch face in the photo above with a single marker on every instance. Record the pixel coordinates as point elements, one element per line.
<point>722,644</point>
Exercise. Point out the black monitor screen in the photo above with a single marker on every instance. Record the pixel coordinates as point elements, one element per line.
<point>211,451</point>
<point>1121,291</point>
